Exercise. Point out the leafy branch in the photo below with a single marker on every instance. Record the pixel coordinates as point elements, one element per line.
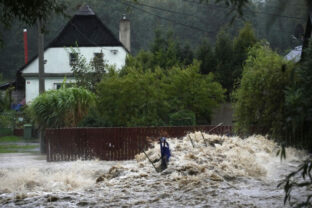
<point>290,184</point>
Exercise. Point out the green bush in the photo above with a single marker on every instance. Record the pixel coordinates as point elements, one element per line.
<point>94,119</point>
<point>61,108</point>
<point>298,129</point>
<point>182,118</point>
<point>260,99</point>
<point>140,97</point>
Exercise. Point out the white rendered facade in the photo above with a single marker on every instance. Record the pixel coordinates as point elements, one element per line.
<point>57,62</point>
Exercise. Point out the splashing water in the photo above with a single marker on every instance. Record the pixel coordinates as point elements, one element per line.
<point>219,171</point>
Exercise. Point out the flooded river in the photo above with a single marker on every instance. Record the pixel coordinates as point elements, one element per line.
<point>216,172</point>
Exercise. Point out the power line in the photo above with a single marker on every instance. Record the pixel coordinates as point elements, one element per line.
<point>250,10</point>
<point>168,10</point>
<point>167,19</point>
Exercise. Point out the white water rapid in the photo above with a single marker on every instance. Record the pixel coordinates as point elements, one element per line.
<point>219,171</point>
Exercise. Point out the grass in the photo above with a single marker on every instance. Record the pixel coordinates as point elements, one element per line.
<point>15,144</point>
<point>12,148</point>
<point>11,139</point>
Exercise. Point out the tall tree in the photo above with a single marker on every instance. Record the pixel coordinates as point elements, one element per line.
<point>206,56</point>
<point>225,59</point>
<point>28,11</point>
<point>242,43</point>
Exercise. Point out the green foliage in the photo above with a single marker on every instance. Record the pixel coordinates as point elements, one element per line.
<point>187,89</point>
<point>134,99</point>
<point>290,184</point>
<point>202,16</point>
<point>242,43</point>
<point>144,60</point>
<point>139,97</point>
<point>237,5</point>
<point>7,119</point>
<point>230,55</point>
<point>61,108</point>
<point>299,103</point>
<point>165,53</point>
<point>29,12</point>
<point>87,75</point>
<point>259,100</point>
<point>94,119</point>
<point>5,98</point>
<point>206,56</point>
<point>14,148</point>
<point>182,118</point>
<point>6,139</point>
<point>224,55</point>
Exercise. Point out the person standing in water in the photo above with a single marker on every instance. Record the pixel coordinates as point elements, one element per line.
<point>165,153</point>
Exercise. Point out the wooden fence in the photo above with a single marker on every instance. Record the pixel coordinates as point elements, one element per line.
<point>111,143</point>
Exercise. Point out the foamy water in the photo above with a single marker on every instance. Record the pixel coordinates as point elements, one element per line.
<point>216,172</point>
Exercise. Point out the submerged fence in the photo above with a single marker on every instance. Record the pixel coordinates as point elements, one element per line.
<point>111,143</point>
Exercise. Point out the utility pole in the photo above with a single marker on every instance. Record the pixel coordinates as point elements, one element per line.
<point>40,57</point>
<point>41,80</point>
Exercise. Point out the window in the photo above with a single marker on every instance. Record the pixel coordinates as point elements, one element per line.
<point>73,59</point>
<point>98,61</point>
<point>66,85</point>
<point>57,86</point>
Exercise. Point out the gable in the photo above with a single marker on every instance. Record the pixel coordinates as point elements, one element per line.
<point>85,30</point>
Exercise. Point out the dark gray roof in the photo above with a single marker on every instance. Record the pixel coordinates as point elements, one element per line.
<point>85,29</point>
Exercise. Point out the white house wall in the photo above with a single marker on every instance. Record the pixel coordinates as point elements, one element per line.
<point>50,83</point>
<point>57,62</point>
<point>57,59</point>
<point>32,86</point>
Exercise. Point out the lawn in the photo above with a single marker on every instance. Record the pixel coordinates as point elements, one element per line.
<point>11,144</point>
<point>14,139</point>
<point>12,148</point>
<point>7,139</point>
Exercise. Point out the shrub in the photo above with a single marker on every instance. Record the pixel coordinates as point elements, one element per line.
<point>182,118</point>
<point>299,104</point>
<point>61,108</point>
<point>260,99</point>
<point>140,97</point>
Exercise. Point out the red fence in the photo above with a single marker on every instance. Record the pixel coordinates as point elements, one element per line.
<point>111,143</point>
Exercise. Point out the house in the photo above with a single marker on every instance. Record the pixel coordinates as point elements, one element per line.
<point>86,32</point>
<point>294,54</point>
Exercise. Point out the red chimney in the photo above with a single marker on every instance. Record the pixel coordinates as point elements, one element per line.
<point>25,46</point>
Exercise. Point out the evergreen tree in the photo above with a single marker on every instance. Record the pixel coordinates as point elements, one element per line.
<point>242,43</point>
<point>225,58</point>
<point>205,55</point>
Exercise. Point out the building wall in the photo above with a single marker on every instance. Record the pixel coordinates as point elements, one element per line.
<point>32,86</point>
<point>57,59</point>
<point>224,115</point>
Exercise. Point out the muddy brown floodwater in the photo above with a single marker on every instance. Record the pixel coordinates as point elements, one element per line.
<point>219,171</point>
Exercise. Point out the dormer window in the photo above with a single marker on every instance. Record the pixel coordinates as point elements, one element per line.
<point>73,59</point>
